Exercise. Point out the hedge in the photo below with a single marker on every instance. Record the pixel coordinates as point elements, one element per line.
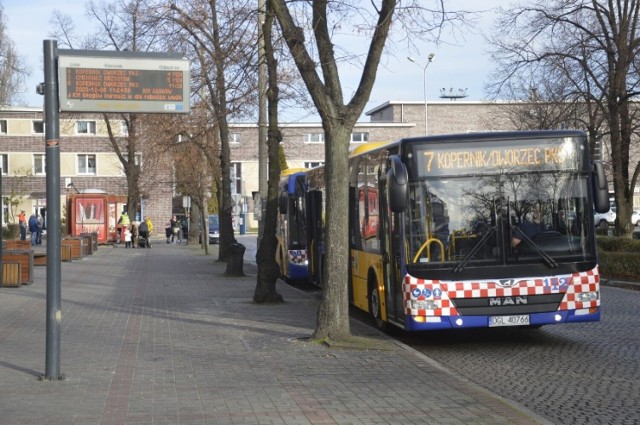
<point>619,258</point>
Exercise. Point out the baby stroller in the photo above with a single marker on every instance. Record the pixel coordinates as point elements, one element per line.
<point>144,242</point>
<point>143,236</point>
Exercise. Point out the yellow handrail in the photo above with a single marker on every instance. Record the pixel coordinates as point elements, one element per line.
<point>427,245</point>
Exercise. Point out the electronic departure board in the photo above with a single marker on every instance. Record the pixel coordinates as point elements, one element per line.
<point>98,81</point>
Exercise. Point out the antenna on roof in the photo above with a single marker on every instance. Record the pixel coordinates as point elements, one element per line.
<point>453,95</point>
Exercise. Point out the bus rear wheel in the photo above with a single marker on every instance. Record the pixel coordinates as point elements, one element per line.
<point>375,306</point>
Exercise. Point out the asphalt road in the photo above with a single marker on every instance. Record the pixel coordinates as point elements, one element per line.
<point>586,373</point>
<point>583,373</point>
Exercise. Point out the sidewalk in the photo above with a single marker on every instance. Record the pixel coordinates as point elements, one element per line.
<point>160,336</point>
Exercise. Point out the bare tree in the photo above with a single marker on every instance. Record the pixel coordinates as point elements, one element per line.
<point>321,76</point>
<point>122,25</point>
<point>219,35</point>
<point>12,68</point>
<point>592,47</point>
<point>268,271</point>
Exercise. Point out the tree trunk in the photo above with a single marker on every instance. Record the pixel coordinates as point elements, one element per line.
<point>333,312</point>
<point>268,271</point>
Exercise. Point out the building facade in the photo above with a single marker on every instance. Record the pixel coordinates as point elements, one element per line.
<point>88,161</point>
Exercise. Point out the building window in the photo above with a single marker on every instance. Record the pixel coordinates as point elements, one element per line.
<point>236,178</point>
<point>38,164</point>
<point>37,127</point>
<point>3,126</point>
<point>359,137</point>
<point>86,127</point>
<point>314,138</point>
<point>86,164</point>
<point>234,137</point>
<point>313,164</point>
<point>5,163</point>
<point>124,128</point>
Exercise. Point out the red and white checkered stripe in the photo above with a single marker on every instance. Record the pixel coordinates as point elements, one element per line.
<point>297,256</point>
<point>442,292</point>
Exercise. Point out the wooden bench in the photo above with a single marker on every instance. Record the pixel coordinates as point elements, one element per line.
<point>11,275</point>
<point>40,258</point>
<point>92,241</point>
<point>17,244</point>
<point>24,257</point>
<point>75,245</point>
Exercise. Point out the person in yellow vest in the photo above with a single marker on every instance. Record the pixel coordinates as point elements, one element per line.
<point>123,223</point>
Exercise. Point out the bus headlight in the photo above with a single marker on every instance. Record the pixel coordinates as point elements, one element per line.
<point>423,305</point>
<point>586,297</point>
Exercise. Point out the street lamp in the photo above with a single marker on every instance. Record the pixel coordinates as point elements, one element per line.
<point>424,77</point>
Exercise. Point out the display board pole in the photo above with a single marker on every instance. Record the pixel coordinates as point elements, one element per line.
<point>52,151</point>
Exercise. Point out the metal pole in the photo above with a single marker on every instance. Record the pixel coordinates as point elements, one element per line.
<point>52,151</point>
<point>262,119</point>
<point>1,222</point>
<point>424,85</point>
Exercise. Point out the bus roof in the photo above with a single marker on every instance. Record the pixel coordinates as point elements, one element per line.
<point>367,147</point>
<point>290,171</point>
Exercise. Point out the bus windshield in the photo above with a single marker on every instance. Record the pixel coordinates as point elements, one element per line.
<point>526,211</point>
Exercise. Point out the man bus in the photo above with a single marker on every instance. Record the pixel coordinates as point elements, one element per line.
<point>433,222</point>
<point>291,253</point>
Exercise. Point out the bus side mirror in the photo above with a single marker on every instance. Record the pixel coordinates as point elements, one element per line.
<point>397,184</point>
<point>283,202</point>
<point>600,188</point>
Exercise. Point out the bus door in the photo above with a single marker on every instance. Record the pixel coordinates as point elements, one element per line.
<point>315,246</point>
<point>391,237</point>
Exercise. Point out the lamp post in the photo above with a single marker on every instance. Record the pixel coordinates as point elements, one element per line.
<point>424,80</point>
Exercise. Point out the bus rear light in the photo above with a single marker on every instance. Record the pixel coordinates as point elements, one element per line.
<point>423,305</point>
<point>587,297</point>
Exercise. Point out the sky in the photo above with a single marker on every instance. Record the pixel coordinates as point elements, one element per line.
<point>458,63</point>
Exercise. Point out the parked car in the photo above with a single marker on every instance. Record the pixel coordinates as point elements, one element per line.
<point>635,218</point>
<point>604,220</point>
<point>214,229</point>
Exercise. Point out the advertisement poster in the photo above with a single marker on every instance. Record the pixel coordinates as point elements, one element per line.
<point>90,216</point>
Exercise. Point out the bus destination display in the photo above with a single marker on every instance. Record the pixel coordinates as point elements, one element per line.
<point>110,83</point>
<point>471,160</point>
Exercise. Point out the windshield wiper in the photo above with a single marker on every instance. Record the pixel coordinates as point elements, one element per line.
<point>463,263</point>
<point>546,257</point>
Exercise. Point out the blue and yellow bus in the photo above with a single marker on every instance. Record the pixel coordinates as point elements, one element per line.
<point>470,230</point>
<point>291,253</point>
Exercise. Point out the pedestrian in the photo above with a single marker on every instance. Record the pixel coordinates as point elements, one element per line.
<point>176,230</point>
<point>40,228</point>
<point>134,235</point>
<point>168,231</point>
<point>144,232</point>
<point>33,228</point>
<point>127,237</point>
<point>22,222</point>
<point>124,223</point>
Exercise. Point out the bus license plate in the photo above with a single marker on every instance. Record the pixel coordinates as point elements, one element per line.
<point>520,320</point>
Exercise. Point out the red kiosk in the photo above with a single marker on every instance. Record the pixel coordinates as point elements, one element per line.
<point>94,213</point>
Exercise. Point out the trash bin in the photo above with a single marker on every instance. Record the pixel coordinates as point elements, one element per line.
<point>235,260</point>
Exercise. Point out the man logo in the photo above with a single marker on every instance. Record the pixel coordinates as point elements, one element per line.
<point>507,283</point>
